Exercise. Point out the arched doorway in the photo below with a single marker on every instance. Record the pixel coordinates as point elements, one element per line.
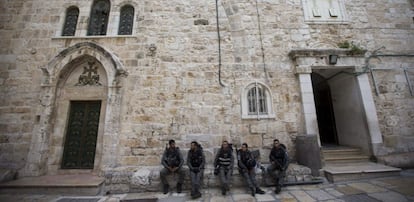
<point>63,86</point>
<point>81,103</point>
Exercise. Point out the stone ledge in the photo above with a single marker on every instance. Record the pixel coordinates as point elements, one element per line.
<point>146,178</point>
<point>297,53</point>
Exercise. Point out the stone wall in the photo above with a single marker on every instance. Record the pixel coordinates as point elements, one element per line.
<point>174,92</point>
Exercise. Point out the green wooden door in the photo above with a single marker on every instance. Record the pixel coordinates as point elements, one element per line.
<point>82,132</point>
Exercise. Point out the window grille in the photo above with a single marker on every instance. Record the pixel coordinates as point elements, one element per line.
<point>71,20</point>
<point>126,20</point>
<point>257,101</point>
<point>98,22</point>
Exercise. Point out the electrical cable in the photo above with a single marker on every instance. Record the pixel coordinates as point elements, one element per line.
<point>261,40</point>
<point>219,45</point>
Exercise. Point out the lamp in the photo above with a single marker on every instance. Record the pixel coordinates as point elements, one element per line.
<point>333,59</point>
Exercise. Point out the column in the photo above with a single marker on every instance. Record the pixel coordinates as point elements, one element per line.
<point>370,111</point>
<point>308,102</point>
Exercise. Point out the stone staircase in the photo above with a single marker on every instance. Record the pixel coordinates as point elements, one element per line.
<point>348,163</point>
<point>342,154</point>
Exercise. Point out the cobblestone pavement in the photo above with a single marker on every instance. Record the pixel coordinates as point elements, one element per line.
<point>387,189</point>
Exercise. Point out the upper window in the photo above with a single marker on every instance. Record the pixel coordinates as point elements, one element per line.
<point>324,11</point>
<point>256,102</point>
<point>71,20</point>
<point>126,20</point>
<point>98,22</point>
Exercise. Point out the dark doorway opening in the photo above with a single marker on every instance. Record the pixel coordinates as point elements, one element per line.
<point>324,110</point>
<point>81,135</point>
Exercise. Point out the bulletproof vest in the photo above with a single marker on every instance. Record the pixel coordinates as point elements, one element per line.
<point>173,158</point>
<point>196,158</point>
<point>279,155</point>
<point>224,157</point>
<point>247,159</point>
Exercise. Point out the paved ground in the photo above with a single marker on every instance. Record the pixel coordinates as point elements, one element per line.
<point>392,189</point>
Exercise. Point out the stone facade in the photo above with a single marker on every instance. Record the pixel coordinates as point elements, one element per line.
<point>171,79</point>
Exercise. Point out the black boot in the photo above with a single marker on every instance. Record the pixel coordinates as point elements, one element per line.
<point>278,189</point>
<point>197,194</point>
<point>253,191</point>
<point>259,191</point>
<point>223,190</point>
<point>166,186</point>
<point>227,187</point>
<point>179,187</point>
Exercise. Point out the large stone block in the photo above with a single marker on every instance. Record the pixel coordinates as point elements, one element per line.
<point>254,141</point>
<point>402,160</point>
<point>308,152</point>
<point>258,128</point>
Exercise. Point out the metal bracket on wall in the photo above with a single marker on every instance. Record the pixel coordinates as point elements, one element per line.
<point>410,87</point>
<point>405,69</point>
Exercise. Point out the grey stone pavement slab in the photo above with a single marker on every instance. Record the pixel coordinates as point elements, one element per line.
<point>386,189</point>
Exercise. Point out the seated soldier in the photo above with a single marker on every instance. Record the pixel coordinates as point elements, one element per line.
<point>223,164</point>
<point>195,162</point>
<point>279,162</point>
<point>172,160</point>
<point>247,165</point>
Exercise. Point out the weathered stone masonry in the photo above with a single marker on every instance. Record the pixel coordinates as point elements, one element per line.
<point>161,82</point>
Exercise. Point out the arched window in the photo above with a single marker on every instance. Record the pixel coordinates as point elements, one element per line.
<point>256,102</point>
<point>99,17</point>
<point>71,20</point>
<point>126,20</point>
<point>256,98</point>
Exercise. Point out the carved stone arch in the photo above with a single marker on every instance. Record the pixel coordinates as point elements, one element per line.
<point>110,62</point>
<point>127,2</point>
<point>42,158</point>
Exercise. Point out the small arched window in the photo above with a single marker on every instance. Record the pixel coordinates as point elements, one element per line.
<point>71,21</point>
<point>256,102</point>
<point>256,98</point>
<point>98,22</point>
<point>126,20</point>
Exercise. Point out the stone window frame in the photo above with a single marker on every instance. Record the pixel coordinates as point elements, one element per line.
<point>83,22</point>
<point>126,20</point>
<point>71,21</point>
<point>246,102</point>
<point>100,11</point>
<point>310,18</point>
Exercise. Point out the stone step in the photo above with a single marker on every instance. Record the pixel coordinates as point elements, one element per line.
<point>361,170</point>
<point>345,158</point>
<point>343,154</point>
<point>83,184</point>
<point>350,151</point>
